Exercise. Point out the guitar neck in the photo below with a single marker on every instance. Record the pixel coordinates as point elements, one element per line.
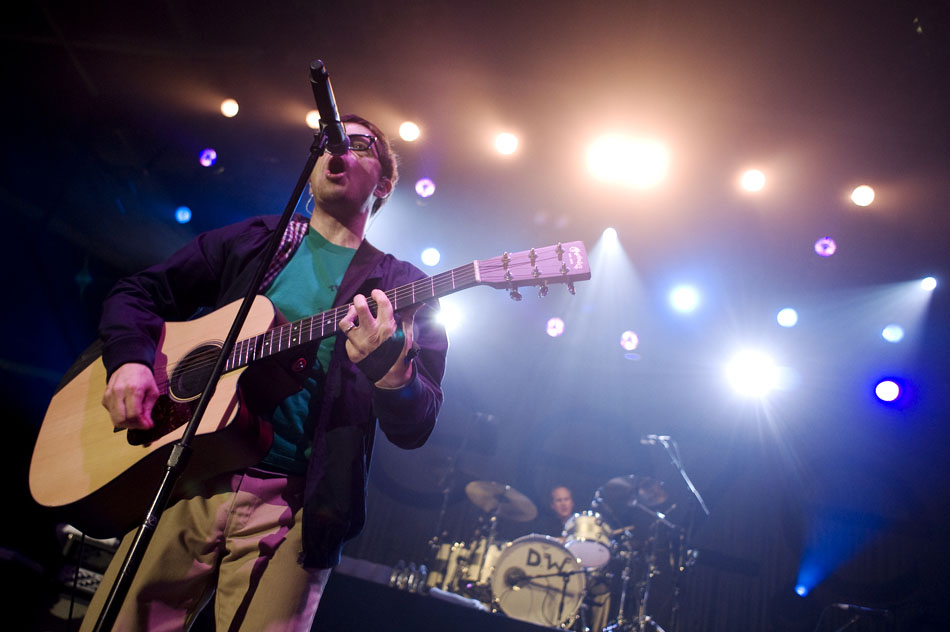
<point>324,325</point>
<point>561,263</point>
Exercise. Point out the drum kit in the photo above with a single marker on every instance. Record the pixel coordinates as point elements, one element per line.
<point>596,576</point>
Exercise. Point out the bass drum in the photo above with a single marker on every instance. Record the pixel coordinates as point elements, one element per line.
<point>528,582</point>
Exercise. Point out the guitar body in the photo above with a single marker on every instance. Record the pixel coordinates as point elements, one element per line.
<point>105,479</point>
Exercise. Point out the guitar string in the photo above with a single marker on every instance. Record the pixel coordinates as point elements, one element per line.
<point>438,284</point>
<point>284,333</point>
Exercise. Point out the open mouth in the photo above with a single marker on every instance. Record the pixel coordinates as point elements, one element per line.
<point>336,166</point>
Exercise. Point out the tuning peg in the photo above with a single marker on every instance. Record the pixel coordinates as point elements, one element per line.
<point>543,290</point>
<point>570,288</point>
<point>515,295</point>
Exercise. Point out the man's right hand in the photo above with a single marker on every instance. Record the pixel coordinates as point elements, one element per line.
<point>130,395</point>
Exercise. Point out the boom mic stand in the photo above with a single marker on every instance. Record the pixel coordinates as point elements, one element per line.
<point>674,453</point>
<point>181,451</point>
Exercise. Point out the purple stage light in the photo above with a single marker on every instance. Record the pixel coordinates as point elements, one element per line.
<point>208,157</point>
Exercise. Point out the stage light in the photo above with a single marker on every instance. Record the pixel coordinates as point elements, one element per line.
<point>425,187</point>
<point>752,373</point>
<point>825,247</point>
<point>629,340</point>
<point>637,163</point>
<point>229,107</point>
<point>182,214</point>
<point>431,257</point>
<point>313,119</point>
<point>449,316</point>
<point>893,333</point>
<point>610,235</point>
<point>684,298</point>
<point>787,317</point>
<point>506,143</point>
<point>862,195</point>
<point>929,284</point>
<point>555,327</point>
<point>801,590</point>
<point>207,157</point>
<point>409,131</point>
<point>887,390</point>
<point>752,180</point>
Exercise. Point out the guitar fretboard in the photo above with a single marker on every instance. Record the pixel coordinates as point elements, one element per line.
<point>323,325</point>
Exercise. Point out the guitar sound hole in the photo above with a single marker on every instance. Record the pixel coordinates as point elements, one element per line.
<point>191,375</point>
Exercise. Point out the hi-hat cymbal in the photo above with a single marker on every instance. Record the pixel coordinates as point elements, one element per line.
<point>627,491</point>
<point>503,501</point>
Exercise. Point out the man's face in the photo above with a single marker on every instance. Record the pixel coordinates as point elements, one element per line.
<point>562,503</point>
<point>352,180</point>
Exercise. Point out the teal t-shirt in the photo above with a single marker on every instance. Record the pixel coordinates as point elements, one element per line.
<point>306,286</point>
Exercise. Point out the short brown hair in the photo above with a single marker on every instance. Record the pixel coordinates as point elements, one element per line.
<point>387,157</point>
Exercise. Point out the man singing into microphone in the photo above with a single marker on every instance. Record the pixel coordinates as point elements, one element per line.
<point>261,541</point>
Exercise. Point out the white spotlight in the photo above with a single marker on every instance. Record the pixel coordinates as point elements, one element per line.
<point>887,390</point>
<point>684,298</point>
<point>638,163</point>
<point>787,317</point>
<point>229,107</point>
<point>450,316</point>
<point>610,235</point>
<point>409,131</point>
<point>893,333</point>
<point>752,180</point>
<point>752,374</point>
<point>506,143</point>
<point>862,195</point>
<point>312,119</point>
<point>928,284</point>
<point>431,257</point>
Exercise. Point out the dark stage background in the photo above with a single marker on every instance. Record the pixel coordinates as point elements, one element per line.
<point>108,104</point>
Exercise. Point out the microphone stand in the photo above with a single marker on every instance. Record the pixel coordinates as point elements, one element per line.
<point>182,449</point>
<point>674,453</point>
<point>673,450</point>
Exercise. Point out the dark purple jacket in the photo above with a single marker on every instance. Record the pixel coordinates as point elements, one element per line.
<point>215,269</point>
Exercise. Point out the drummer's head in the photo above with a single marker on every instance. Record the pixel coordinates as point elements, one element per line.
<point>562,503</point>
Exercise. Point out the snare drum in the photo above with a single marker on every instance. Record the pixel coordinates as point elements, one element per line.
<point>528,582</point>
<point>588,537</point>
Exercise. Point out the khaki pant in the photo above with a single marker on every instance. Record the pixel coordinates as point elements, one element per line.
<point>235,538</point>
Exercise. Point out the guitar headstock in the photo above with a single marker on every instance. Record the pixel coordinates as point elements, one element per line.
<point>561,263</point>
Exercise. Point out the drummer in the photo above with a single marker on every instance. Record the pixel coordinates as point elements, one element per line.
<point>562,508</point>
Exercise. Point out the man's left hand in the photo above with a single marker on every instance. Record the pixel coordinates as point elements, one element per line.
<point>367,336</point>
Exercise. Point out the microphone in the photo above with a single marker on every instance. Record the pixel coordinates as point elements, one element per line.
<point>515,578</point>
<point>653,439</point>
<point>337,141</point>
<point>850,607</point>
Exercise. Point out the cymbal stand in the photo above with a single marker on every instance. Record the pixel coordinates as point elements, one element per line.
<point>447,482</point>
<point>622,624</point>
<point>651,572</point>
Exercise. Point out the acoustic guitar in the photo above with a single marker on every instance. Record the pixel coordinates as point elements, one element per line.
<point>101,476</point>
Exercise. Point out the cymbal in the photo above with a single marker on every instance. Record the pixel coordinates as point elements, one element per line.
<point>503,501</point>
<point>627,491</point>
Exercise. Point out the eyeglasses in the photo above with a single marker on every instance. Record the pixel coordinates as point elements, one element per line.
<point>361,142</point>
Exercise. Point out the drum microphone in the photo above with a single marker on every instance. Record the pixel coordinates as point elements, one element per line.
<point>338,143</point>
<point>653,439</point>
<point>850,607</point>
<point>515,577</point>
